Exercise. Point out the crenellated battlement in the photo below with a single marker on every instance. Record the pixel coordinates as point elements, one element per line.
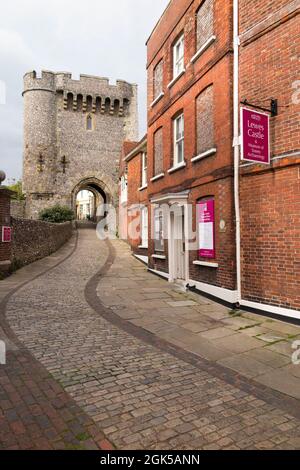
<point>87,94</point>
<point>46,81</point>
<point>86,85</point>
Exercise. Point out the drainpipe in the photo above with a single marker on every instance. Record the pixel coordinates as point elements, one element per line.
<point>236,143</point>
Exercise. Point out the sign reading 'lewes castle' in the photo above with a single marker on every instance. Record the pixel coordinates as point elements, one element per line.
<point>255,128</point>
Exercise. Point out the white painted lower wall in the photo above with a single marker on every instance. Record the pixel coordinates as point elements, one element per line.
<point>225,294</point>
<point>142,258</point>
<point>160,273</point>
<point>285,312</point>
<point>231,296</point>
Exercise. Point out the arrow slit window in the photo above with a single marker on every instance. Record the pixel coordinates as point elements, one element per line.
<point>89,123</point>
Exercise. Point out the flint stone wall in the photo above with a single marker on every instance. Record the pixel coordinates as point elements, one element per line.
<point>35,239</point>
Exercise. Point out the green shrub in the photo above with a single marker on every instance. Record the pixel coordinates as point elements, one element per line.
<point>57,214</point>
<point>17,189</point>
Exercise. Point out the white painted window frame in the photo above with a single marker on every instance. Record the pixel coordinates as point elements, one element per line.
<point>124,189</point>
<point>177,141</point>
<point>178,59</point>
<point>144,169</point>
<point>158,221</point>
<point>144,227</point>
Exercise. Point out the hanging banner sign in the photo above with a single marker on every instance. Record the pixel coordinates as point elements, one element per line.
<point>255,130</point>
<point>207,229</point>
<point>6,234</point>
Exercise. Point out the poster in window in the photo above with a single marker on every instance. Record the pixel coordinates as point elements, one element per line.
<point>207,229</point>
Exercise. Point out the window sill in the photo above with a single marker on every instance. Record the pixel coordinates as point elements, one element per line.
<point>157,177</point>
<point>143,187</point>
<point>143,247</point>
<point>206,263</point>
<point>177,167</point>
<point>176,78</point>
<point>203,48</point>
<point>204,155</point>
<point>157,99</point>
<point>158,256</point>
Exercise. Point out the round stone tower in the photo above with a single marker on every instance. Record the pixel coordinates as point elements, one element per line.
<point>40,145</point>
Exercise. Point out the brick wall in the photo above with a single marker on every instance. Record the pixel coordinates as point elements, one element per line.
<point>33,239</point>
<point>271,236</point>
<point>269,66</point>
<point>256,11</point>
<point>225,275</point>
<point>270,224</point>
<point>5,248</point>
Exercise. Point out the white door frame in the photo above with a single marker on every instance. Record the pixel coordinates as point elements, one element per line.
<point>172,245</point>
<point>180,199</point>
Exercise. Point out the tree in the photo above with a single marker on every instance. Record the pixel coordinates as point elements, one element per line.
<point>17,189</point>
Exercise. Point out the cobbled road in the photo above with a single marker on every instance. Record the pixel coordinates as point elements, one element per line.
<point>93,379</point>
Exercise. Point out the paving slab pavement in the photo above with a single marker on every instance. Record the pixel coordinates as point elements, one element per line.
<point>223,336</point>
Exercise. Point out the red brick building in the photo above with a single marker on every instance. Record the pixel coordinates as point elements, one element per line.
<point>123,190</point>
<point>134,197</point>
<point>195,186</point>
<point>190,141</point>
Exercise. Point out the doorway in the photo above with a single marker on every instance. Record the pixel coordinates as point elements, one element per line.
<point>85,205</point>
<point>177,244</point>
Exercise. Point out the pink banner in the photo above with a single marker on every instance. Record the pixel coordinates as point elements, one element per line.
<point>207,229</point>
<point>6,234</point>
<point>255,128</point>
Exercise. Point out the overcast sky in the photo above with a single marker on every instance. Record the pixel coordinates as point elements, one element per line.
<point>97,37</point>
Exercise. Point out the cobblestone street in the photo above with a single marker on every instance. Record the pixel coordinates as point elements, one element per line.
<point>104,354</point>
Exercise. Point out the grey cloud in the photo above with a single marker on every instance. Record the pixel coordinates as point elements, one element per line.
<point>94,37</point>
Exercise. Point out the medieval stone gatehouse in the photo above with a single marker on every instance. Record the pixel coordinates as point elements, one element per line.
<point>73,134</point>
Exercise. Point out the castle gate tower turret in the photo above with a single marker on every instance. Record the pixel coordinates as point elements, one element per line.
<point>73,134</point>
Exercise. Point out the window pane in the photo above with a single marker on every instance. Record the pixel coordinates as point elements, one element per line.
<point>180,151</point>
<point>179,57</point>
<point>89,123</point>
<point>158,231</point>
<point>178,52</point>
<point>179,128</point>
<point>144,226</point>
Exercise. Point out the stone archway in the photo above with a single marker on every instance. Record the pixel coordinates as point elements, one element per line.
<point>99,190</point>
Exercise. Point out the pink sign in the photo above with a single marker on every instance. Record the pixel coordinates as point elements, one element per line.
<point>207,229</point>
<point>6,234</point>
<point>255,136</point>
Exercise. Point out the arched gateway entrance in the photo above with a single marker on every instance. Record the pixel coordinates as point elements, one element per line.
<point>87,198</point>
